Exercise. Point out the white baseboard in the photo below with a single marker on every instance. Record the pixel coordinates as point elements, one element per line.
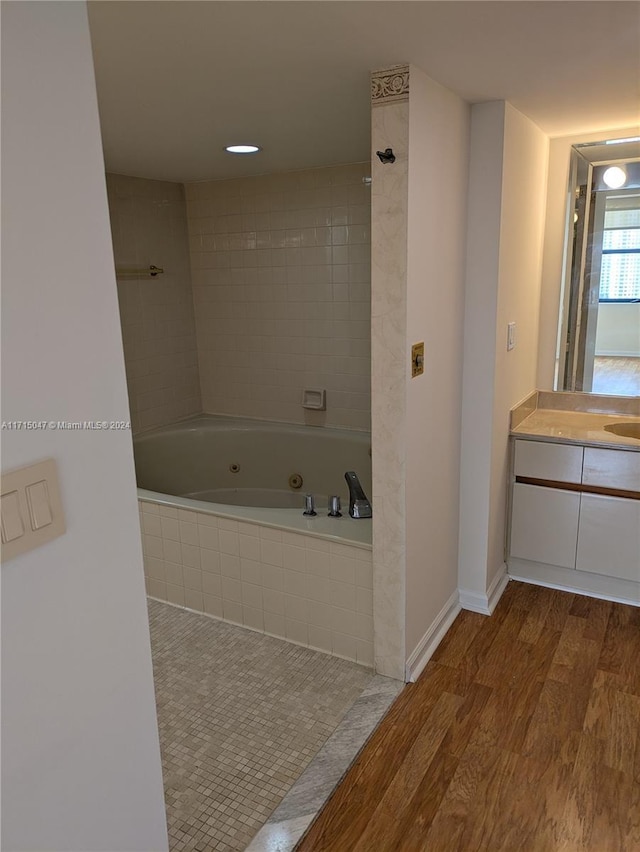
<point>485,604</point>
<point>576,582</point>
<point>425,648</point>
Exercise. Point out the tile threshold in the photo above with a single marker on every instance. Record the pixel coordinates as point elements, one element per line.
<point>307,797</point>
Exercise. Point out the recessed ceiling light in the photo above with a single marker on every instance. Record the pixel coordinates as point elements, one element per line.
<point>615,177</point>
<point>242,149</point>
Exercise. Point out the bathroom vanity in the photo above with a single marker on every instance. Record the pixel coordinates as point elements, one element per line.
<point>574,495</point>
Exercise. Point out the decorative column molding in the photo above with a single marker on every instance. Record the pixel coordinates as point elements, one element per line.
<point>389,85</point>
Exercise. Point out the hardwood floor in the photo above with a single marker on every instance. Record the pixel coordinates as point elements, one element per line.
<point>522,734</point>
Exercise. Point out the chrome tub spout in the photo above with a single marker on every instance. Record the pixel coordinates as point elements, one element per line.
<point>359,505</point>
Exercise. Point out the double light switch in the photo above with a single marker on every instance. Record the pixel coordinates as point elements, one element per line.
<point>31,508</point>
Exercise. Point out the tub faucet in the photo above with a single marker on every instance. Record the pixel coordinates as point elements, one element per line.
<point>359,506</point>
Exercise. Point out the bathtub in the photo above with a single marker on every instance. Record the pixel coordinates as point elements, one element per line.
<point>223,532</point>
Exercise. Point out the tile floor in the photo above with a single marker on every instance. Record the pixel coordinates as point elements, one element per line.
<point>240,716</point>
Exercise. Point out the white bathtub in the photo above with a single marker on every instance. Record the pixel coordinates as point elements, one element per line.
<point>267,567</point>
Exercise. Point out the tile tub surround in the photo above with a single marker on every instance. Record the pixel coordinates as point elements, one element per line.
<point>149,226</point>
<point>281,276</point>
<point>240,716</point>
<point>303,588</point>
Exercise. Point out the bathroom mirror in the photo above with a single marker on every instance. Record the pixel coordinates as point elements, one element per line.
<point>599,328</point>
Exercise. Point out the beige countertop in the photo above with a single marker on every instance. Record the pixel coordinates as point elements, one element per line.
<point>537,420</point>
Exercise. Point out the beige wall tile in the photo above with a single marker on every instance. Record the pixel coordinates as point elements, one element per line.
<point>273,601</point>
<point>193,600</point>
<point>156,588</point>
<point>253,618</point>
<point>208,536</point>
<point>210,561</point>
<point>274,624</point>
<point>282,270</point>
<point>192,578</point>
<point>344,645</point>
<point>297,631</point>
<point>174,574</point>
<point>302,602</point>
<point>171,550</point>
<point>148,225</point>
<point>175,594</point>
<point>213,605</point>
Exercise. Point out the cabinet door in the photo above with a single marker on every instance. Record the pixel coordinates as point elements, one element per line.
<point>609,537</point>
<point>544,524</point>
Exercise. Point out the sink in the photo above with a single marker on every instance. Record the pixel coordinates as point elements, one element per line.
<point>625,430</point>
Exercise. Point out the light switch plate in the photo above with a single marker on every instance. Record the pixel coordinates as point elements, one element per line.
<point>417,359</point>
<point>31,508</point>
<point>511,336</point>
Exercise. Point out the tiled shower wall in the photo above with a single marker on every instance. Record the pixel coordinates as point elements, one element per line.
<point>149,226</point>
<point>281,283</point>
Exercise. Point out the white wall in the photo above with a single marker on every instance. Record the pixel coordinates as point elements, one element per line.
<point>81,763</point>
<point>618,329</point>
<point>504,257</point>
<point>479,345</point>
<point>524,178</point>
<point>438,170</point>
<point>554,239</point>
<point>418,239</point>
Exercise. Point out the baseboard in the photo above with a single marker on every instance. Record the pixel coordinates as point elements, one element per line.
<point>576,582</point>
<point>485,604</point>
<point>425,648</point>
<point>610,353</point>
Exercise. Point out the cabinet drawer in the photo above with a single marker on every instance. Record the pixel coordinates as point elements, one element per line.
<point>609,537</point>
<point>612,468</point>
<point>553,462</point>
<point>544,525</point>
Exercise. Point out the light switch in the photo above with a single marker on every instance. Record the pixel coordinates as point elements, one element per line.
<point>32,511</point>
<point>12,526</point>
<point>39,505</point>
<point>511,336</point>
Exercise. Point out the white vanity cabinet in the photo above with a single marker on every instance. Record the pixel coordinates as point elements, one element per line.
<point>555,511</point>
<point>573,514</point>
<point>544,520</point>
<point>609,536</point>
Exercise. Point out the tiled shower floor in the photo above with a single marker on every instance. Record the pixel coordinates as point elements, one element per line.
<point>240,716</point>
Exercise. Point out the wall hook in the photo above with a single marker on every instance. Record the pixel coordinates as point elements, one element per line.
<point>386,156</point>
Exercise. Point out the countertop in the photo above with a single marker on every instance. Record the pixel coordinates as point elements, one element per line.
<point>539,421</point>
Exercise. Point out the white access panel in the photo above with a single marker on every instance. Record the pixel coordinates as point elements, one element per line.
<point>554,462</point>
<point>544,524</point>
<point>609,536</point>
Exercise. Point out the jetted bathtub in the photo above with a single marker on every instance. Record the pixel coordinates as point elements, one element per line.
<point>241,462</point>
<point>221,509</point>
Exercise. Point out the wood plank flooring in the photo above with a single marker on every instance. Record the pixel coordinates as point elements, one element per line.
<point>522,734</point>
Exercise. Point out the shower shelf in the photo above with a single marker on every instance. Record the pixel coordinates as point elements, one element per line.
<point>151,271</point>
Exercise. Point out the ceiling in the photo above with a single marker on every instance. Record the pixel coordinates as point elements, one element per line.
<point>177,81</point>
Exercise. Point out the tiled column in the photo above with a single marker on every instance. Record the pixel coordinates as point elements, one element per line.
<point>389,129</point>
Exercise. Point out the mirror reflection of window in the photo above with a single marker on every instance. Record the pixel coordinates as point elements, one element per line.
<point>617,344</point>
